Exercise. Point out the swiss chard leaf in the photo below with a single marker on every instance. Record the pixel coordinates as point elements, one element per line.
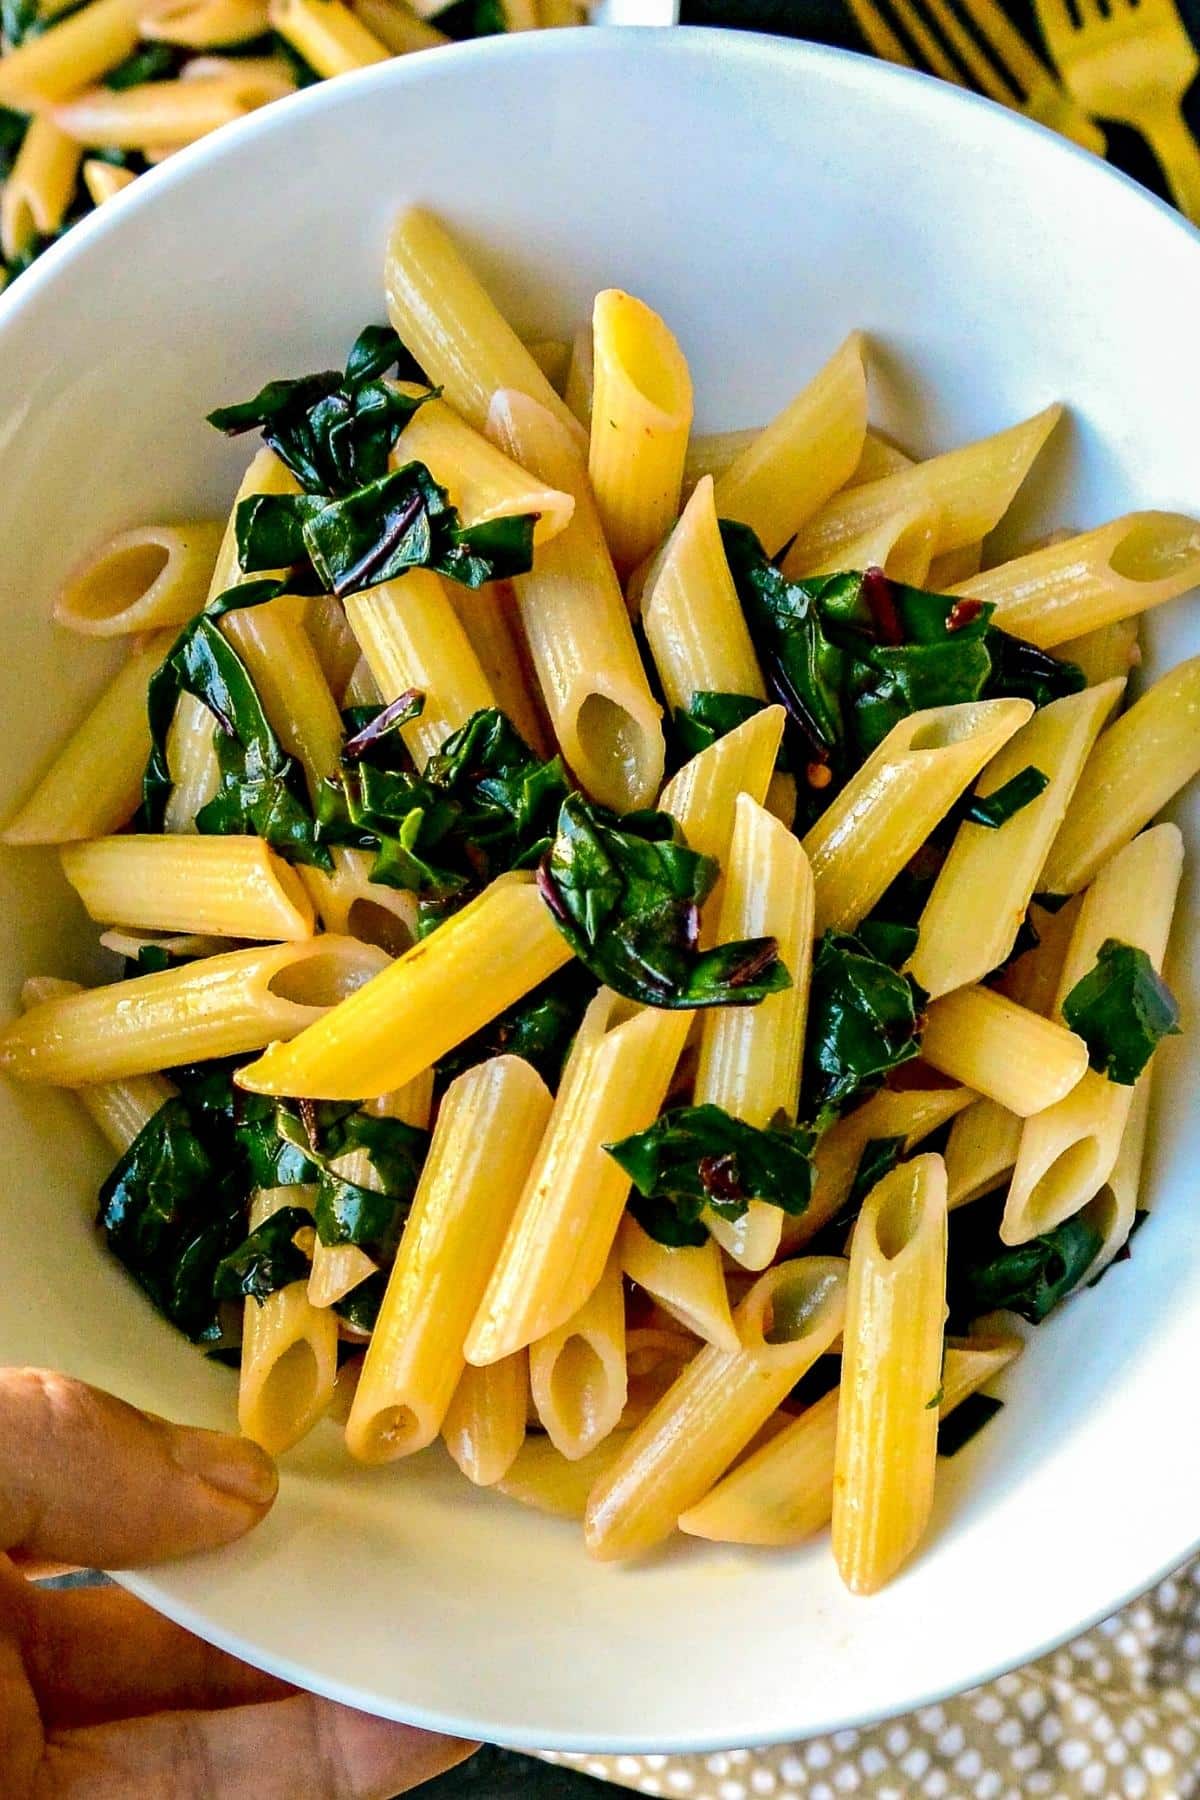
<point>710,716</point>
<point>266,1260</point>
<point>539,1028</point>
<point>878,1159</point>
<point>967,1420</point>
<point>862,1021</point>
<point>1005,802</point>
<point>890,940</point>
<point>148,62</point>
<point>700,1156</point>
<point>346,1211</point>
<point>626,896</point>
<point>1030,1279</point>
<point>13,126</point>
<point>360,1307</point>
<point>1122,1009</point>
<point>1023,671</point>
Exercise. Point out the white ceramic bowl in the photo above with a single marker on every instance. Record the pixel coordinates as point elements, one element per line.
<point>766,197</point>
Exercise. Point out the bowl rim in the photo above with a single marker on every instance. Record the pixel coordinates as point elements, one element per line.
<point>709,48</point>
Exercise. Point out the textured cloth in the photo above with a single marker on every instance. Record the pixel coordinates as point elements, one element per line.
<point>1116,1714</point>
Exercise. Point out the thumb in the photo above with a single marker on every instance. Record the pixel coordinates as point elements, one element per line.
<point>86,1479</point>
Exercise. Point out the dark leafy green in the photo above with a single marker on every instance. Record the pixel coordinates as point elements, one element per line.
<point>878,1159</point>
<point>710,716</point>
<point>862,1021</point>
<point>1006,801</point>
<point>892,941</point>
<point>1030,1279</point>
<point>347,1212</point>
<point>13,126</point>
<point>360,1307</point>
<point>19,20</point>
<point>626,896</point>
<point>266,1260</point>
<point>967,1420</point>
<point>148,62</point>
<point>467,19</point>
<point>539,1028</point>
<point>700,1156</point>
<point>1022,670</point>
<point>1122,1009</point>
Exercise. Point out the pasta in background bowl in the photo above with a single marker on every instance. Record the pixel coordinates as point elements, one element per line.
<point>431,1578</point>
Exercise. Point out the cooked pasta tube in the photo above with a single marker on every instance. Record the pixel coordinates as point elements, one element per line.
<point>488,1128</point>
<point>687,1280</point>
<point>577,1373</point>
<point>338,1268</point>
<point>577,626</point>
<point>969,490</point>
<point>901,545</point>
<point>910,1114</point>
<point>640,419</point>
<point>952,566</point>
<point>219,1006</point>
<point>224,886</point>
<point>178,944</point>
<point>166,113</point>
<point>879,457</point>
<point>397,27</point>
<point>411,638</point>
<point>119,1109</point>
<point>806,453</point>
<point>335,644</point>
<point>453,328</point>
<point>580,382</point>
<point>783,1493</point>
<point>38,188</point>
<point>103,180</point>
<point>203,24</point>
<point>980,1151</point>
<point>888,808</point>
<point>483,483</point>
<point>362,689</point>
<point>484,1426</point>
<point>654,1358</point>
<point>192,762</point>
<point>702,796</point>
<point>80,49</point>
<point>970,921</point>
<point>1068,1151</point>
<point>553,358</point>
<point>1105,653</point>
<point>286,670</point>
<point>891,1374</point>
<point>711,453</point>
<point>691,615</point>
<point>1140,762</point>
<point>329,37</point>
<point>481,960</point>
<point>141,580</point>
<point>614,1083</point>
<point>289,1350</point>
<point>1081,583</point>
<point>1113,1210</point>
<point>1002,1050</point>
<point>492,622</point>
<point>789,1318</point>
<point>94,784</point>
<point>1032,979</point>
<point>350,903</point>
<point>542,1478</point>
<point>750,1056</point>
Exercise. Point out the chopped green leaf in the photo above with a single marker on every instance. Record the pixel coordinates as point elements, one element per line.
<point>148,62</point>
<point>266,1260</point>
<point>968,1419</point>
<point>13,126</point>
<point>891,940</point>
<point>1023,671</point>
<point>1005,802</point>
<point>539,1028</point>
<point>360,1307</point>
<point>710,716</point>
<point>1030,1279</point>
<point>1122,1009</point>
<point>879,1158</point>
<point>862,1021</point>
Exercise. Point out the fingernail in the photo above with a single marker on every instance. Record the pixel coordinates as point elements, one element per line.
<point>233,1466</point>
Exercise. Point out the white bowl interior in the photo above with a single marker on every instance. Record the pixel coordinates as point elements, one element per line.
<point>767,198</point>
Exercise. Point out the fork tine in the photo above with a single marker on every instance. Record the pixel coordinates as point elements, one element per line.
<point>935,57</point>
<point>879,33</point>
<point>1006,43</point>
<point>970,55</point>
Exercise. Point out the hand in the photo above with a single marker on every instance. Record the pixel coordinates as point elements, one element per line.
<point>100,1699</point>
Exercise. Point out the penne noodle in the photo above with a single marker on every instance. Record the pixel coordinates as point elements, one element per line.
<point>335,644</point>
<point>219,886</point>
<point>783,1493</point>
<point>615,1081</point>
<point>492,622</point>
<point>687,1281</point>
<point>158,114</point>
<point>289,1351</point>
<point>1002,1050</point>
<point>411,638</point>
<point>790,1317</point>
<point>888,808</point>
<point>540,1477</point>
<point>362,689</point>
<point>1114,1209</point>
<point>350,903</point>
<point>640,419</point>
<point>980,1151</point>
<point>577,390</point>
<point>94,784</point>
<point>192,761</point>
<point>806,453</point>
<point>879,457</point>
<point>969,490</point>
<point>655,1357</point>
<point>577,1373</point>
<point>219,1006</point>
<point>711,453</point>
<point>74,52</point>
<point>104,180</point>
<point>38,190</point>
<point>1108,652</point>
<point>397,27</point>
<point>886,1447</point>
<point>971,919</point>
<point>1032,979</point>
<point>483,483</point>
<point>577,627</point>
<point>480,961</point>
<point>453,328</point>
<point>691,614</point>
<point>750,1056</point>
<point>339,1268</point>
<point>203,24</point>
<point>286,670</point>
<point>488,1128</point>
<point>119,1109</point>
<point>702,796</point>
<point>1081,583</point>
<point>330,38</point>
<point>952,566</point>
<point>553,358</point>
<point>1140,762</point>
<point>1068,1151</point>
<point>484,1427</point>
<point>901,544</point>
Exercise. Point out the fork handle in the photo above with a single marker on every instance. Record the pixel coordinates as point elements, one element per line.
<point>1177,152</point>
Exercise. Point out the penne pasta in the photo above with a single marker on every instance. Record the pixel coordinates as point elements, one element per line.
<point>614,1083</point>
<point>119,1109</point>
<point>901,544</point>
<point>1113,1211</point>
<point>970,921</point>
<point>203,24</point>
<point>38,189</point>
<point>339,1268</point>
<point>577,1373</point>
<point>289,1351</point>
<point>702,796</point>
<point>104,180</point>
<point>286,670</point>
<point>488,1128</point>
<point>577,390</point>
<point>75,51</point>
<point>397,26</point>
<point>483,483</point>
<point>1105,654</point>
<point>952,566</point>
<point>192,761</point>
<point>335,644</point>
<point>1002,1050</point>
<point>887,810</point>
<point>687,1281</point>
<point>492,622</point>
<point>806,453</point>
<point>484,1427</point>
<point>542,1478</point>
<point>1032,979</point>
<point>222,886</point>
<point>350,903</point>
<point>886,1446</point>
<point>141,580</point>
<point>711,453</point>
<point>1082,583</point>
<point>577,627</point>
<point>790,1317</point>
<point>879,457</point>
<point>980,1151</point>
<point>481,960</point>
<point>161,114</point>
<point>330,38</point>
<point>641,415</point>
<point>553,358</point>
<point>219,1006</point>
<point>1140,762</point>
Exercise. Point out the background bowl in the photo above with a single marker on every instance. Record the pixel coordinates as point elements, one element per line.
<point>766,197</point>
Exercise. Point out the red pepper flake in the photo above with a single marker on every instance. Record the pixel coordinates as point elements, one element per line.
<point>963,612</point>
<point>720,1177</point>
<point>755,963</point>
<point>879,594</point>
<point>818,775</point>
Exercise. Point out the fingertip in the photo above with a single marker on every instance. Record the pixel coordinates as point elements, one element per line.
<point>234,1466</point>
<point>379,1757</point>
